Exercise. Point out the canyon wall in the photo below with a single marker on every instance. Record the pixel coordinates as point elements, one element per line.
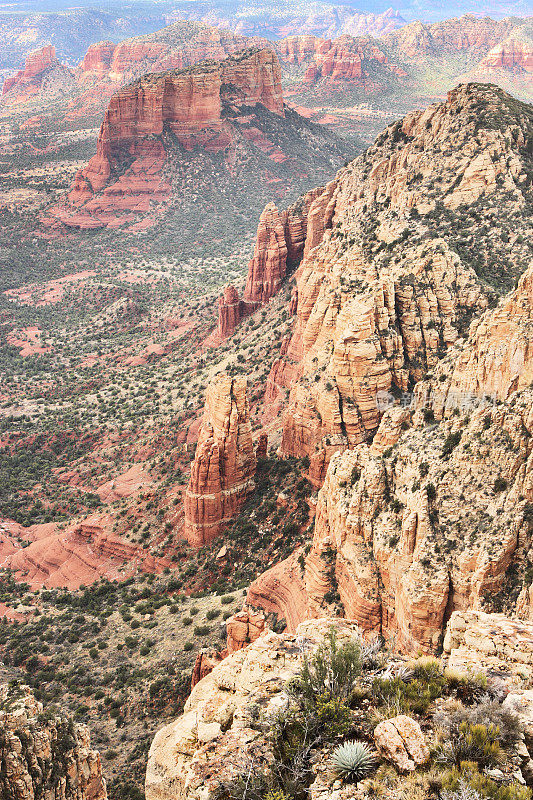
<point>49,758</point>
<point>430,518</point>
<point>412,382</point>
<point>222,473</point>
<point>368,323</point>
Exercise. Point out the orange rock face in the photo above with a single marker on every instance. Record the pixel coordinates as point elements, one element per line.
<point>205,663</point>
<point>511,55</point>
<point>424,508</point>
<point>416,40</point>
<point>224,465</point>
<point>27,81</point>
<point>279,246</point>
<point>267,268</point>
<point>187,104</point>
<point>175,47</point>
<point>81,554</point>
<point>243,628</point>
<point>230,312</point>
<point>97,60</point>
<point>345,59</point>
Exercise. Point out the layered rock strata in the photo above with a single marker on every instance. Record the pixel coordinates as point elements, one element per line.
<point>279,247</point>
<point>382,292</point>
<point>434,515</point>
<point>44,757</point>
<point>188,104</point>
<point>224,464</point>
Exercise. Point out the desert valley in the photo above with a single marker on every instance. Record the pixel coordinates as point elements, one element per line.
<point>266,402</point>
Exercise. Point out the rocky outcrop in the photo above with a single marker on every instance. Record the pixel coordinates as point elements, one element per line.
<point>196,131</point>
<point>224,464</point>
<point>343,60</point>
<point>42,73</point>
<point>214,741</point>
<point>47,757</point>
<point>243,628</point>
<point>84,552</point>
<point>400,740</point>
<point>495,360</point>
<point>176,46</point>
<point>206,661</point>
<point>267,268</point>
<point>480,642</point>
<point>230,312</point>
<point>97,60</point>
<point>187,103</point>
<point>377,307</point>
<point>389,549</point>
<point>279,247</point>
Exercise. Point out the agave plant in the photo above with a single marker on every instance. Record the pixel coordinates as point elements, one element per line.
<point>353,761</point>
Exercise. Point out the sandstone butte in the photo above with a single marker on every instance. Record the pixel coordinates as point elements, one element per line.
<point>223,469</point>
<point>414,520</point>
<point>188,103</point>
<point>215,741</point>
<point>28,752</point>
<point>27,81</point>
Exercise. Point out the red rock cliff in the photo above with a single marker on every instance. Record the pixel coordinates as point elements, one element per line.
<point>279,245</point>
<point>224,464</point>
<point>187,101</point>
<point>36,63</point>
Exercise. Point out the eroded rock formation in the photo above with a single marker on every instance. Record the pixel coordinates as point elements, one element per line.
<point>477,642</point>
<point>213,741</point>
<point>228,116</point>
<point>224,465</point>
<point>432,513</point>
<point>279,247</point>
<point>42,72</point>
<point>379,303</point>
<point>343,60</point>
<point>44,757</point>
<point>430,518</point>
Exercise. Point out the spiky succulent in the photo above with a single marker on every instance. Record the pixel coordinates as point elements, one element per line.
<point>353,761</point>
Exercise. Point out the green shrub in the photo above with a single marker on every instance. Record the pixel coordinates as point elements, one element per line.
<point>411,696</point>
<point>471,742</point>
<point>467,775</point>
<point>331,673</point>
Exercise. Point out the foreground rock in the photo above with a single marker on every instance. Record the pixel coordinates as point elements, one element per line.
<point>224,464</point>
<point>401,741</point>
<point>47,758</point>
<point>481,642</point>
<point>214,741</point>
